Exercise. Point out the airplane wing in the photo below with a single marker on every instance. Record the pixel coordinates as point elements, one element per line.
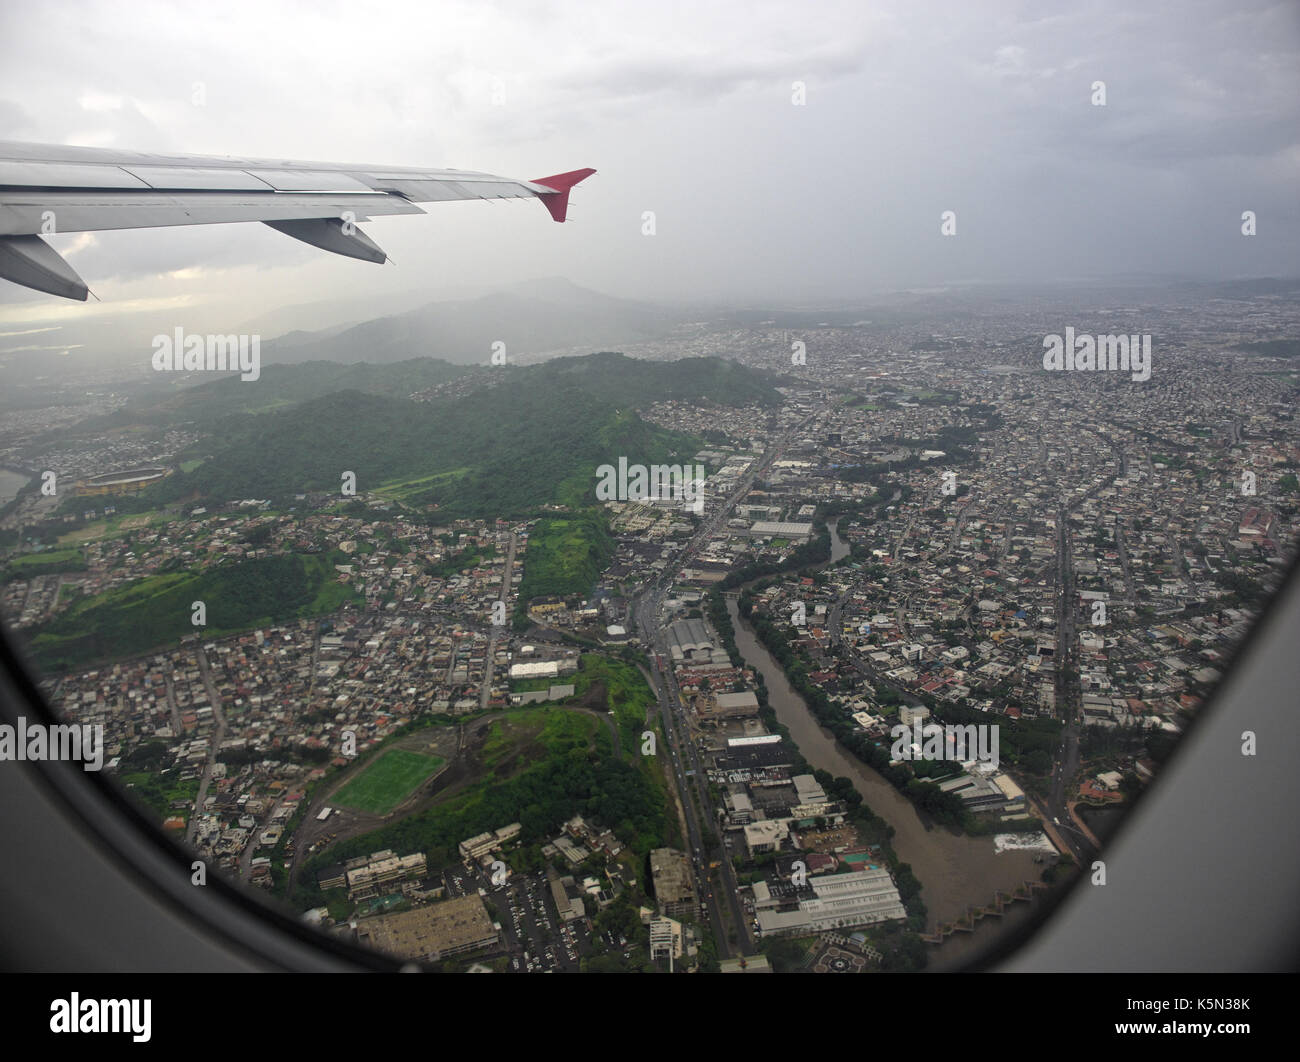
<point>48,189</point>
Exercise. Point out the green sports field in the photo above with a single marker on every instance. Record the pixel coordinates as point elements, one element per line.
<point>386,782</point>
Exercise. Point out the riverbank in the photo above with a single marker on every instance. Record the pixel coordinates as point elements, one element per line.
<point>956,871</point>
<point>11,483</point>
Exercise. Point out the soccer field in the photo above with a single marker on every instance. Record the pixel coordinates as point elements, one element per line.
<point>386,782</point>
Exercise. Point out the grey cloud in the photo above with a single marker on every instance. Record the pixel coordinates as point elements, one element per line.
<point>686,110</point>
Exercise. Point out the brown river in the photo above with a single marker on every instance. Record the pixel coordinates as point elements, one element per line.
<point>955,871</point>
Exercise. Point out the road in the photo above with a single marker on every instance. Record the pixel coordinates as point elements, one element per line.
<point>907,530</point>
<point>683,754</point>
<point>173,711</point>
<point>254,839</point>
<point>1121,547</point>
<point>214,746</point>
<point>1067,675</point>
<point>1068,690</point>
<point>485,690</point>
<point>957,526</point>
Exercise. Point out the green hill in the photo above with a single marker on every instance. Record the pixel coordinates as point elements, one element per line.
<point>155,611</point>
<point>532,436</point>
<point>566,555</point>
<point>639,383</point>
<point>279,387</point>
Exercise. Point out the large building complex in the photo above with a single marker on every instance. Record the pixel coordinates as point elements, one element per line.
<point>830,901</point>
<point>671,872</point>
<point>131,481</point>
<point>434,932</point>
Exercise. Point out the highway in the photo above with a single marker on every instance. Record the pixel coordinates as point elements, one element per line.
<point>647,609</point>
<point>495,629</point>
<point>214,742</point>
<point>1066,662</point>
<point>1067,681</point>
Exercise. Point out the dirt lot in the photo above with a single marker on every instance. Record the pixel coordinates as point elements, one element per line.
<point>827,841</point>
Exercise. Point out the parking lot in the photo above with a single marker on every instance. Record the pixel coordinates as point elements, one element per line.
<point>532,932</point>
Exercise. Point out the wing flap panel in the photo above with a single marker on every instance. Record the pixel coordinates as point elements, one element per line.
<point>328,234</point>
<point>33,263</point>
<point>21,174</point>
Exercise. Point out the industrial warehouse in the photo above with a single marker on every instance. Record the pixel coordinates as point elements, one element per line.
<point>436,931</point>
<point>828,902</point>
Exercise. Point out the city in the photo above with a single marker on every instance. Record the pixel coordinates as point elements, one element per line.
<point>900,525</point>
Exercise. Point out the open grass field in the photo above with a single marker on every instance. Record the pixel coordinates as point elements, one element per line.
<point>627,694</point>
<point>404,489</point>
<point>48,560</point>
<point>566,554</point>
<point>388,781</point>
<point>114,525</point>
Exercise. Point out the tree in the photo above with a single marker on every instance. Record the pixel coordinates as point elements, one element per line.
<point>613,963</point>
<point>785,955</point>
<point>903,951</point>
<point>708,954</point>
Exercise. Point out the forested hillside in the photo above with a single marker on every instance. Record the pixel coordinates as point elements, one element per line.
<point>534,436</point>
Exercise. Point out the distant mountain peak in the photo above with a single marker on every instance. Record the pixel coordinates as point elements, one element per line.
<point>532,317</point>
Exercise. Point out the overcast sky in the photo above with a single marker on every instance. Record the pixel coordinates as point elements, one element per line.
<point>912,109</point>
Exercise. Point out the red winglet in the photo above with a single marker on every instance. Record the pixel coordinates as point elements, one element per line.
<point>558,204</point>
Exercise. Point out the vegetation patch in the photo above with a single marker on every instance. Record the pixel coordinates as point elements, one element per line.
<point>568,769</point>
<point>47,562</point>
<point>628,696</point>
<point>566,555</point>
<point>156,610</point>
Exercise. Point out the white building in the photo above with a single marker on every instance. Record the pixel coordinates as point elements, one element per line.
<point>839,901</point>
<point>766,835</point>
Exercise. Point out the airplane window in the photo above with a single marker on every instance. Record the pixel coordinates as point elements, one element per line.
<point>702,608</point>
